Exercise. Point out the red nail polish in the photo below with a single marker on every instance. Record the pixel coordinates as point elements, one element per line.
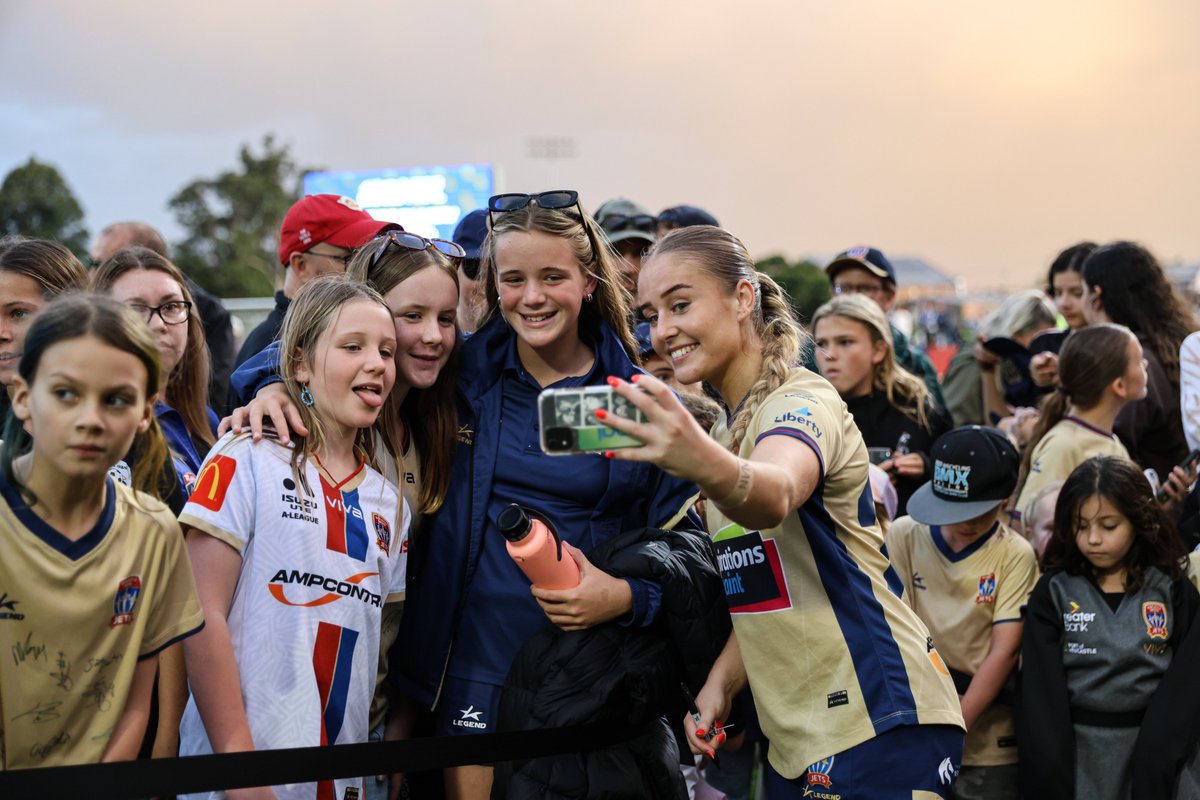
<point>600,413</point>
<point>720,737</point>
<point>609,453</point>
<point>699,731</point>
<point>635,377</point>
<point>612,381</point>
<point>710,753</point>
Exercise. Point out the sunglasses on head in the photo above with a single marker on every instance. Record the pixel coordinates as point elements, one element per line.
<point>411,241</point>
<point>622,222</point>
<point>556,199</point>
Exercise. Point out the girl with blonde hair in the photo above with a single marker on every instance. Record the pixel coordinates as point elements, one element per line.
<point>892,408</point>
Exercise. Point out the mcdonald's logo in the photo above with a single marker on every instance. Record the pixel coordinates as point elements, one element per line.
<point>213,482</point>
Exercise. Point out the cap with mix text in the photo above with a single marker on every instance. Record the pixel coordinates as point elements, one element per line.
<point>869,258</point>
<point>974,470</point>
<point>327,218</point>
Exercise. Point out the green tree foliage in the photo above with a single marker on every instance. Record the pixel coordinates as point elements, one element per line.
<point>35,201</point>
<point>232,222</point>
<point>804,281</point>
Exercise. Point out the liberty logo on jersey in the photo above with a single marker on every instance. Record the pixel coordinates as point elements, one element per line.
<point>126,598</point>
<point>213,482</point>
<point>1155,617</point>
<point>751,570</point>
<point>987,589</point>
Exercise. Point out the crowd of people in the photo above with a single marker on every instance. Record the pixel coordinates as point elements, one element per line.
<point>843,573</point>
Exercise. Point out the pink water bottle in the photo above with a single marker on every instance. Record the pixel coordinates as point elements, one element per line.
<point>537,550</point>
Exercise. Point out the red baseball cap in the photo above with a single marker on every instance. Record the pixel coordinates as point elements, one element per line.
<point>327,218</point>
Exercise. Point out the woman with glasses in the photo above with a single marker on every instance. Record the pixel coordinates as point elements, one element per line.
<point>155,288</point>
<point>32,273</point>
<point>556,316</point>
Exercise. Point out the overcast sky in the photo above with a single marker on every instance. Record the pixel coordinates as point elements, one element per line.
<point>980,137</point>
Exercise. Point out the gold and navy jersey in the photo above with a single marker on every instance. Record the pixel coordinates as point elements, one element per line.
<point>960,596</point>
<point>76,617</point>
<point>1064,447</point>
<point>816,605</point>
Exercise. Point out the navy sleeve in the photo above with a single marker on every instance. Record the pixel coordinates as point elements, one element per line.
<point>647,600</point>
<point>256,372</point>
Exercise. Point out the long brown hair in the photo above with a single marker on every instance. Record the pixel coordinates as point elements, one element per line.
<point>594,257</point>
<point>430,416</point>
<point>51,265</point>
<point>722,255</point>
<point>1090,360</point>
<point>185,389</point>
<point>904,391</point>
<point>1119,481</point>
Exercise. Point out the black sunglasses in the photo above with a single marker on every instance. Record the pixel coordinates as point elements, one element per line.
<point>410,241</point>
<point>556,199</point>
<point>621,222</point>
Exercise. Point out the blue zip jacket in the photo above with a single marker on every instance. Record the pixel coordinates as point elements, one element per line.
<point>442,561</point>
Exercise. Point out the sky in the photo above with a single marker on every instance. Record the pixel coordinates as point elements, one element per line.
<point>981,137</point>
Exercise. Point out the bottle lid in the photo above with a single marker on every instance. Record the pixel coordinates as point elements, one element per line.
<point>513,523</point>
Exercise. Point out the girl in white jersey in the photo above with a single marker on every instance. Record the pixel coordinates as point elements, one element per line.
<point>851,694</point>
<point>296,550</point>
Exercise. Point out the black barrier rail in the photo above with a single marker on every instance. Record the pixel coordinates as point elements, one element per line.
<point>167,776</point>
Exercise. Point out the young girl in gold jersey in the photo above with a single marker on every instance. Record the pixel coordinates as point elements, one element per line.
<point>851,693</point>
<point>95,578</point>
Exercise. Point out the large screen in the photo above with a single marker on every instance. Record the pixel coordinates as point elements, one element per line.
<point>427,201</point>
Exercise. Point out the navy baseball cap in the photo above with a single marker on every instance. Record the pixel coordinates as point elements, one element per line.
<point>687,216</point>
<point>974,470</point>
<point>642,334</point>
<point>869,258</point>
<point>470,232</point>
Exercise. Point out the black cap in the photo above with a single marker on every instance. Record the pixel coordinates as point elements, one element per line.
<point>641,334</point>
<point>869,258</point>
<point>471,231</point>
<point>974,470</point>
<point>513,523</point>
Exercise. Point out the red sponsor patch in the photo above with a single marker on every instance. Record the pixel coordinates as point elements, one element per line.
<point>213,482</point>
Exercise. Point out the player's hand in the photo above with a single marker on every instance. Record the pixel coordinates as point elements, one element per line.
<point>713,705</point>
<point>1043,369</point>
<point>983,355</point>
<point>598,598</point>
<point>272,402</point>
<point>671,434</point>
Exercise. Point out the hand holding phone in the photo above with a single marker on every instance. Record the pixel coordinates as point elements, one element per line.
<point>1186,465</point>
<point>568,424</point>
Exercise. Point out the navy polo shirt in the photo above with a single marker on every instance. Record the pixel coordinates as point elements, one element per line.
<point>499,613</point>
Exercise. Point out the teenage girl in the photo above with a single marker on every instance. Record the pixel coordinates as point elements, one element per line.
<point>95,577</point>
<point>785,474</point>
<point>32,273</point>
<point>284,662</point>
<point>155,288</point>
<point>1108,699</point>
<point>891,406</point>
<point>1101,369</point>
<point>1125,284</point>
<point>556,317</point>
<point>1065,287</point>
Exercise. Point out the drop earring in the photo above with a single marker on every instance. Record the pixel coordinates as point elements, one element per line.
<point>306,397</point>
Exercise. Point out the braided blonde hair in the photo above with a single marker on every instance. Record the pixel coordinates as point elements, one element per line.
<point>723,256</point>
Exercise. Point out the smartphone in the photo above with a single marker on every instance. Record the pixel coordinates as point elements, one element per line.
<point>568,424</point>
<point>1185,465</point>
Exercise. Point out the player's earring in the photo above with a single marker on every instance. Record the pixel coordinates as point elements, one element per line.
<point>306,397</point>
<point>588,297</point>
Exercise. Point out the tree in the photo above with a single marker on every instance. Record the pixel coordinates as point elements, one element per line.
<point>232,222</point>
<point>804,281</point>
<point>35,201</point>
